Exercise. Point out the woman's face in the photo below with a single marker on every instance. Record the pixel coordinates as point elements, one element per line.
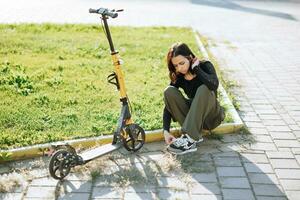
<point>181,64</point>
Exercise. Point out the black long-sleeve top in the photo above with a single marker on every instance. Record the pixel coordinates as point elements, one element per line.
<point>205,74</point>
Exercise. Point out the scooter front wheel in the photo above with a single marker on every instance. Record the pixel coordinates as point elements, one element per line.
<point>133,137</point>
<point>60,166</point>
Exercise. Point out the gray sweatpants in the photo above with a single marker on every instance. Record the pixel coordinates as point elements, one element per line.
<point>201,112</point>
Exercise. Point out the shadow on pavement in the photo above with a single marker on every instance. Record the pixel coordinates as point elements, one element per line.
<point>226,168</point>
<point>220,169</point>
<point>229,4</point>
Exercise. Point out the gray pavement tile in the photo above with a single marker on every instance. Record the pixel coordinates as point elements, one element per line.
<point>288,173</point>
<point>205,197</point>
<point>294,127</point>
<point>156,156</point>
<point>297,158</point>
<point>259,102</point>
<point>106,193</point>
<point>287,143</point>
<point>258,168</point>
<point>278,128</point>
<point>204,177</point>
<point>165,193</point>
<point>254,125</point>
<point>262,107</point>
<point>267,111</point>
<point>226,154</point>
<point>141,188</point>
<point>238,194</point>
<point>269,117</point>
<point>202,157</point>
<point>274,122</point>
<point>139,196</point>
<point>40,192</point>
<point>234,182</point>
<point>37,198</point>
<point>263,178</point>
<point>293,195</point>
<point>227,161</point>
<point>45,181</point>
<point>77,177</point>
<point>279,154</point>
<point>251,118</point>
<point>11,196</point>
<point>290,184</point>
<point>282,135</point>
<point>204,188</point>
<point>263,138</point>
<point>172,182</point>
<point>297,134</point>
<point>254,158</point>
<point>250,151</point>
<point>288,119</point>
<point>74,196</point>
<point>32,163</point>
<point>76,186</point>
<point>245,114</point>
<point>285,149</point>
<point>270,198</point>
<point>231,171</point>
<point>268,190</point>
<point>259,131</point>
<point>229,147</point>
<point>295,151</point>
<point>198,167</point>
<point>284,163</point>
<point>206,149</point>
<point>262,146</point>
<point>211,142</point>
<point>155,146</point>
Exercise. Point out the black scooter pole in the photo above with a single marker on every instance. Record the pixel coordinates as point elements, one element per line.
<point>111,45</point>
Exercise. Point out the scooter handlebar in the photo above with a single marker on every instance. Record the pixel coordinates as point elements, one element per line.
<point>105,12</point>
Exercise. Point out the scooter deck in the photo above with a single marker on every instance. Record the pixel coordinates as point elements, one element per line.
<point>99,151</point>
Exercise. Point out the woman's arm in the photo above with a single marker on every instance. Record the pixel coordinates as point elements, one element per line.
<point>208,76</point>
<point>166,126</point>
<point>166,120</point>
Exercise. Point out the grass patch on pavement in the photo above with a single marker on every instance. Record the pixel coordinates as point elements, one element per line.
<point>53,79</point>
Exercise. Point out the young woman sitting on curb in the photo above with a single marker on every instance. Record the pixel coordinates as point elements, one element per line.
<point>200,110</point>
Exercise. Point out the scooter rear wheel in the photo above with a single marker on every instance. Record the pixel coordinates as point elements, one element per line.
<point>59,166</point>
<point>133,137</point>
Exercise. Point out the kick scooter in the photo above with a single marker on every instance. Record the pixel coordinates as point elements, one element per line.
<point>127,134</point>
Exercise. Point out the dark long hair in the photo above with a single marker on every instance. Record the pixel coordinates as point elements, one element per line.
<point>177,49</point>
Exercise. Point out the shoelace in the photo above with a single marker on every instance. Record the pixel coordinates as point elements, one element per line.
<point>180,141</point>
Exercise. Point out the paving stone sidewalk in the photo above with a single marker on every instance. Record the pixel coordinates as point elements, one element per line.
<point>220,169</point>
<point>265,62</point>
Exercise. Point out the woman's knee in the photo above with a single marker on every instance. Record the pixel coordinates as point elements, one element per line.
<point>170,91</point>
<point>203,89</point>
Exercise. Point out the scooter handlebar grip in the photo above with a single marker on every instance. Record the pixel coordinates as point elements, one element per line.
<point>112,14</point>
<point>104,11</point>
<point>91,10</point>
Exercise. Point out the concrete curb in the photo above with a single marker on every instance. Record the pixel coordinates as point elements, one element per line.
<point>151,136</point>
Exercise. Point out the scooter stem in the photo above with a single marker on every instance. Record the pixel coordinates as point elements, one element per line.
<point>116,61</point>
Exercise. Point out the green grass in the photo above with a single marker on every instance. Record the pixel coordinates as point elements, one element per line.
<point>53,79</point>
